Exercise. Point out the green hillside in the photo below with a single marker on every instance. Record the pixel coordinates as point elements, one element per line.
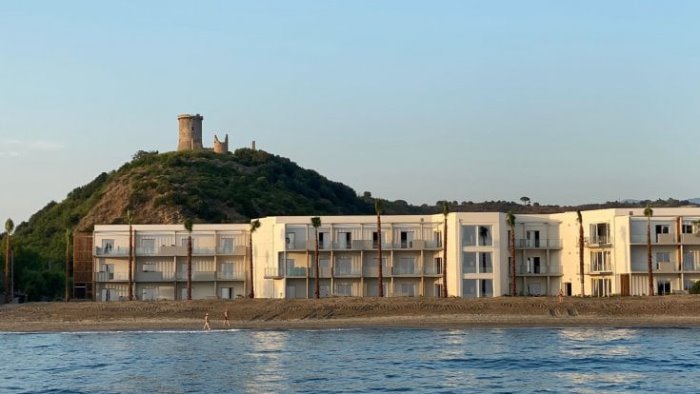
<point>208,188</point>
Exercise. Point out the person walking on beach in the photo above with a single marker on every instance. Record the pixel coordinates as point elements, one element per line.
<point>561,296</point>
<point>227,321</point>
<point>206,322</point>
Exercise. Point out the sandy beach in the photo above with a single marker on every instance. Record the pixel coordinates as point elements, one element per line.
<point>669,311</point>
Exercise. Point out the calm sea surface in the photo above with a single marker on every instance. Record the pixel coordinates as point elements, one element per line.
<point>584,360</point>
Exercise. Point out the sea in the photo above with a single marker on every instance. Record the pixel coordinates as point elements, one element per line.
<point>472,360</point>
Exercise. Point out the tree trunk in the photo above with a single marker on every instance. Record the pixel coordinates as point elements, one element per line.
<point>580,259</point>
<point>444,258</point>
<point>379,256</point>
<point>189,267</point>
<point>649,262</point>
<point>317,290</point>
<point>131,263</point>
<point>8,280</point>
<point>513,287</point>
<point>251,293</point>
<point>66,294</point>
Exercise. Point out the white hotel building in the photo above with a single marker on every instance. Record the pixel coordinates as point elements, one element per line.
<point>477,252</point>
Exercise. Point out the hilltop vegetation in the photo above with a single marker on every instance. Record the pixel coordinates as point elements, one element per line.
<point>208,188</point>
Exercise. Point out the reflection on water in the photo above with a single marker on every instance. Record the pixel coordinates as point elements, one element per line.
<point>584,360</point>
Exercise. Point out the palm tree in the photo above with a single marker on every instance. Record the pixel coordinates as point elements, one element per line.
<point>254,225</point>
<point>648,212</point>
<point>445,211</point>
<point>510,220</point>
<point>130,220</point>
<point>579,218</point>
<point>9,227</point>
<point>188,227</point>
<point>66,295</point>
<point>316,223</point>
<point>378,210</point>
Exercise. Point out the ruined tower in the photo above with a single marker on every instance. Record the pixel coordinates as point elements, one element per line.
<point>220,147</point>
<point>190,132</point>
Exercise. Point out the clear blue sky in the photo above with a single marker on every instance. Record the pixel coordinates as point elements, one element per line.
<point>563,101</point>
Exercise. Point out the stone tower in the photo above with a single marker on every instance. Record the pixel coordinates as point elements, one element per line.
<point>190,132</point>
<point>220,147</point>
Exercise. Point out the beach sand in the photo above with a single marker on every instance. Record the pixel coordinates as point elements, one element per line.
<point>668,311</point>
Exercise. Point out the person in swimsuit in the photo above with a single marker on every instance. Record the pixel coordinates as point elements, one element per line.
<point>206,322</point>
<point>227,320</point>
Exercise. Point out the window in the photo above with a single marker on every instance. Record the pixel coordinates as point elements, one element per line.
<point>600,233</point>
<point>107,246</point>
<point>149,267</point>
<point>227,245</point>
<point>485,264</point>
<point>469,263</point>
<point>468,236</point>
<point>436,268</point>
<point>469,288</point>
<point>406,238</point>
<point>406,266</point>
<point>663,257</point>
<point>485,236</point>
<point>148,245</point>
<point>227,270</point>
<point>289,241</point>
<point>408,289</point>
<point>322,240</point>
<point>687,228</point>
<point>600,261</point>
<point>345,239</point>
<point>663,287</point>
<point>375,239</point>
<point>485,288</point>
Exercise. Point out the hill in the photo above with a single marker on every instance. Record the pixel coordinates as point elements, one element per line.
<point>168,188</point>
<point>208,188</point>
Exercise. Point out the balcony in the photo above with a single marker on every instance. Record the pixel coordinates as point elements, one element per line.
<point>154,276</point>
<point>238,250</point>
<point>347,272</point>
<point>199,276</point>
<point>323,272</point>
<point>656,239</point>
<point>600,268</point>
<point>665,267</point>
<point>690,239</point>
<point>372,271</point>
<point>406,270</point>
<point>235,275</point>
<point>690,265</point>
<point>119,251</point>
<point>432,271</point>
<point>538,244</point>
<point>273,273</point>
<point>409,245</point>
<point>598,240</point>
<point>536,270</point>
<point>296,272</point>
<point>111,276</point>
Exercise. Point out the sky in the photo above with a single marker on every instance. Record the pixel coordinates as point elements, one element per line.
<point>565,102</point>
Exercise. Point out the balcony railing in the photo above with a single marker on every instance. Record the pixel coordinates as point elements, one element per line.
<point>347,271</point>
<point>198,276</point>
<point>597,268</point>
<point>111,251</point>
<point>296,272</point>
<point>373,271</point>
<point>538,244</point>
<point>406,270</point>
<point>154,276</point>
<point>323,272</point>
<point>432,270</point>
<point>535,270</point>
<point>238,250</point>
<point>236,275</point>
<point>111,276</point>
<point>273,273</point>
<point>691,265</point>
<point>662,267</point>
<point>690,239</point>
<point>656,239</point>
<point>599,240</point>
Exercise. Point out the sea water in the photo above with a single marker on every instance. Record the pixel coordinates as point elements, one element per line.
<point>542,360</point>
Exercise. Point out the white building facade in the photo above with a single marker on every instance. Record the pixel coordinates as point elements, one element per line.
<point>475,254</point>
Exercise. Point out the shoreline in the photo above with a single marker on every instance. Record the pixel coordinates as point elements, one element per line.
<point>353,313</point>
